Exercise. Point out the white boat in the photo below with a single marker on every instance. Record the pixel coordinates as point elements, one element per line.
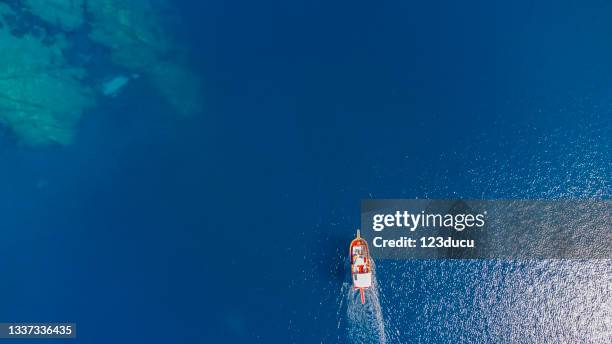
<point>361,269</point>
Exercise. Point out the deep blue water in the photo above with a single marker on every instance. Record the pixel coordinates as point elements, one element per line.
<point>232,226</point>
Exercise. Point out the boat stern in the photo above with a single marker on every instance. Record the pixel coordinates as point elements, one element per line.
<point>362,281</point>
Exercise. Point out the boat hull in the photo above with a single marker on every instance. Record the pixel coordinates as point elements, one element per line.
<point>361,269</point>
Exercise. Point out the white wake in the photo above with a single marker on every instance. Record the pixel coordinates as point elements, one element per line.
<point>365,322</point>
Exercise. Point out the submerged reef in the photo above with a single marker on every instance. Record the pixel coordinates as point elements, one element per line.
<point>133,31</point>
<point>67,14</point>
<point>44,92</point>
<point>41,96</point>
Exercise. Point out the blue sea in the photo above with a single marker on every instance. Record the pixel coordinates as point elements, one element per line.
<point>232,226</point>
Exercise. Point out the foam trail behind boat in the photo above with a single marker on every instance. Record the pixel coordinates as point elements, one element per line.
<point>365,323</point>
